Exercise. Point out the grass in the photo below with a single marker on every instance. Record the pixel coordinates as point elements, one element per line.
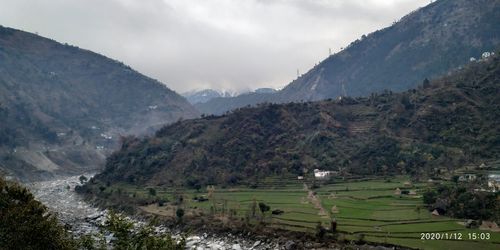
<point>368,207</point>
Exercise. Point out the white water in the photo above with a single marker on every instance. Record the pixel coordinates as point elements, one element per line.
<point>60,197</point>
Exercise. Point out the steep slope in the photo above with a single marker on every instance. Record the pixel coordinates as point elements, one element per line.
<point>423,132</point>
<point>426,43</point>
<point>58,103</point>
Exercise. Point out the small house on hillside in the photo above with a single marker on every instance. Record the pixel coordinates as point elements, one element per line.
<point>467,177</point>
<point>397,191</point>
<point>494,182</point>
<point>300,177</point>
<point>412,192</point>
<point>435,212</point>
<point>486,54</point>
<point>323,174</point>
<point>407,184</point>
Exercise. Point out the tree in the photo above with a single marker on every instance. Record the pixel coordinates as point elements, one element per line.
<point>197,186</point>
<point>179,213</point>
<point>333,226</point>
<point>430,197</point>
<point>426,83</point>
<point>26,223</point>
<point>89,242</point>
<point>121,227</point>
<point>418,209</point>
<point>152,191</point>
<point>83,179</point>
<point>254,207</point>
<point>127,236</point>
<point>263,207</point>
<point>320,231</point>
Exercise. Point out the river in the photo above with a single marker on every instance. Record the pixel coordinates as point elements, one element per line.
<point>60,197</point>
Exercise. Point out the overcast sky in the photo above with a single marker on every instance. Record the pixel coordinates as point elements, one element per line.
<point>220,44</point>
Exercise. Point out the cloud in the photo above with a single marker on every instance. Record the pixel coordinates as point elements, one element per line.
<point>221,44</point>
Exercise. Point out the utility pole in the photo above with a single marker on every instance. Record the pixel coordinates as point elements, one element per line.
<point>298,73</point>
<point>329,51</point>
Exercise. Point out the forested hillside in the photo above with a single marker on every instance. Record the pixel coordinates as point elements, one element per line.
<point>62,107</point>
<point>441,125</point>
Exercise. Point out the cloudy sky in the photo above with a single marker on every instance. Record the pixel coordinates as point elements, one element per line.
<point>222,44</point>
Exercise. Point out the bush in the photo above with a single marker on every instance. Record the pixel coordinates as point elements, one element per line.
<point>127,236</point>
<point>263,207</point>
<point>320,231</point>
<point>179,213</point>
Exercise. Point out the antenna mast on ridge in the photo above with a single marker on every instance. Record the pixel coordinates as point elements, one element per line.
<point>344,93</point>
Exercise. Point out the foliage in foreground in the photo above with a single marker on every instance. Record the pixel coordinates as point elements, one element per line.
<point>128,236</point>
<point>25,223</point>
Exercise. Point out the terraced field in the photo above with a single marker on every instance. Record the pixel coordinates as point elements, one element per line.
<point>368,209</point>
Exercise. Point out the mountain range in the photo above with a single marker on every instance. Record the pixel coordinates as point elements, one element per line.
<point>426,43</point>
<point>199,97</point>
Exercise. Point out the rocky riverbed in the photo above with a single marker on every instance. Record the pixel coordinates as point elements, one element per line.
<point>82,218</point>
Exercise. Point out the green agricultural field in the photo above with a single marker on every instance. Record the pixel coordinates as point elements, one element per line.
<point>368,209</point>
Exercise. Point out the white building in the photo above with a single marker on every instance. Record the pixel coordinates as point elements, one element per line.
<point>467,177</point>
<point>107,137</point>
<point>486,55</point>
<point>323,174</point>
<point>494,182</point>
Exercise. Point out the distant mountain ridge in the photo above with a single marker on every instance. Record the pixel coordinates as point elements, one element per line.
<point>63,107</point>
<point>205,95</point>
<point>199,97</point>
<point>426,43</point>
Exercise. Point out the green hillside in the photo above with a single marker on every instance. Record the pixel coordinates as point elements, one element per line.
<point>425,132</point>
<point>58,103</point>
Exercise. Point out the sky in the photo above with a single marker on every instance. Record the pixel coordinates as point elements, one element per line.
<point>233,45</point>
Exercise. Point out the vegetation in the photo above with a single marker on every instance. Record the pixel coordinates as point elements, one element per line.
<point>62,97</point>
<point>461,201</point>
<point>127,236</point>
<point>366,210</point>
<point>426,133</point>
<point>27,224</point>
